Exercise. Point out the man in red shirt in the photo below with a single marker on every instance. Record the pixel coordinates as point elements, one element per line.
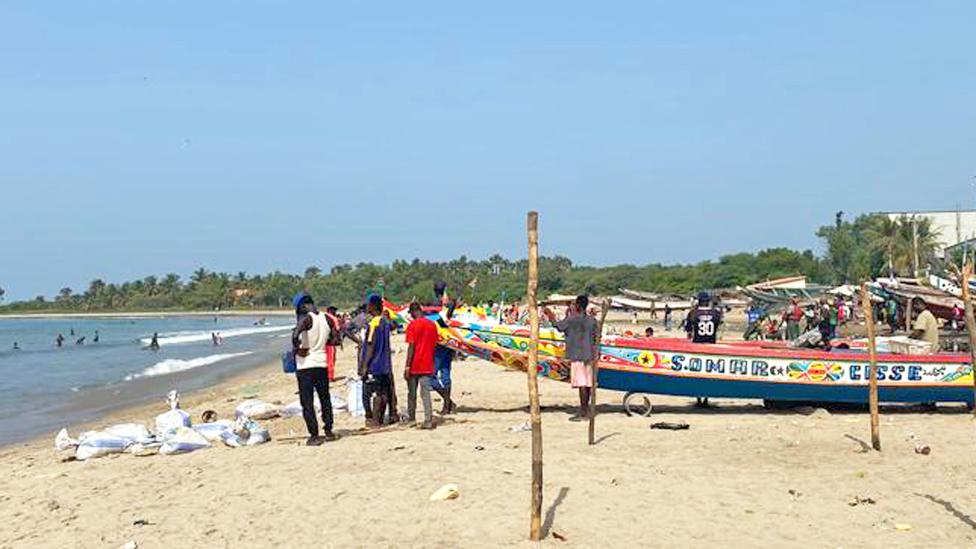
<point>419,369</point>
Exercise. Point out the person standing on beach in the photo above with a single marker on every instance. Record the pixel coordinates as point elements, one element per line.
<point>376,366</point>
<point>419,368</point>
<point>308,342</point>
<point>793,316</point>
<point>957,317</point>
<point>582,344</point>
<point>667,316</point>
<point>443,356</point>
<point>336,333</point>
<point>704,320</point>
<point>702,325</point>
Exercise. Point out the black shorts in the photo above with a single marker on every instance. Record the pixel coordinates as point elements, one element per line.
<point>378,384</point>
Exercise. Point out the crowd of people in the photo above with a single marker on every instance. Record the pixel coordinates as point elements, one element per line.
<point>426,368</point>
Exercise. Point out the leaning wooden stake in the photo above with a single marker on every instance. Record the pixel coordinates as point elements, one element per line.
<point>535,524</point>
<point>873,373</point>
<point>967,301</point>
<point>591,432</point>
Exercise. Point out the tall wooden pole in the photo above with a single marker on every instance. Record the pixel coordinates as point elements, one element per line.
<point>591,432</point>
<point>967,301</point>
<point>535,524</point>
<point>873,374</point>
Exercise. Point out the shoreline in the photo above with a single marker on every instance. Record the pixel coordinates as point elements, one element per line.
<point>150,406</point>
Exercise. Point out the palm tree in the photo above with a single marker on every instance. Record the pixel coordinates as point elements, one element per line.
<point>885,236</point>
<point>199,275</point>
<point>170,283</point>
<point>65,295</point>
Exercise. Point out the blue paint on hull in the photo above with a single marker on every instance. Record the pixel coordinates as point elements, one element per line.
<point>722,388</point>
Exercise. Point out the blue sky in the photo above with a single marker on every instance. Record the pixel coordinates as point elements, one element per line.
<point>140,138</point>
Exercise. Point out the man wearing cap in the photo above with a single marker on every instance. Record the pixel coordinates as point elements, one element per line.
<point>702,326</point>
<point>308,340</point>
<point>376,366</point>
<point>704,320</point>
<point>443,356</point>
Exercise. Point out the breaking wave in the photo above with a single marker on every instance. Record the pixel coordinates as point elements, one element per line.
<point>195,337</point>
<point>173,365</point>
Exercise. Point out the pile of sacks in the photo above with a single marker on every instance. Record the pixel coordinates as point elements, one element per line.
<point>353,403</point>
<point>174,434</point>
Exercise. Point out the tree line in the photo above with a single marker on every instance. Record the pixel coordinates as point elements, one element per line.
<point>868,246</point>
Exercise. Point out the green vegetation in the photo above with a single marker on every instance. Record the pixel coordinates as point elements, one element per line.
<point>868,246</point>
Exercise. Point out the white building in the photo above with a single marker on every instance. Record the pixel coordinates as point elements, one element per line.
<point>953,226</point>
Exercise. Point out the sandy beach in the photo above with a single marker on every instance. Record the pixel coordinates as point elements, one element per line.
<point>740,476</point>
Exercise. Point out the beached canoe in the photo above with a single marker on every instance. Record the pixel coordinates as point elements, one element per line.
<point>728,370</point>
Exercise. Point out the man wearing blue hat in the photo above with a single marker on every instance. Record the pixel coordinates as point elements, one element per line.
<point>443,356</point>
<point>308,340</point>
<point>376,366</point>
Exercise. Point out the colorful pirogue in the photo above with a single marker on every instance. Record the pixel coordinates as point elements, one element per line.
<point>729,369</point>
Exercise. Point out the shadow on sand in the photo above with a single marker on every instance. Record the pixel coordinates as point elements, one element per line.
<point>951,509</point>
<point>551,513</point>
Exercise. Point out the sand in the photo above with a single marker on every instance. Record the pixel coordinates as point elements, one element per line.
<point>740,476</point>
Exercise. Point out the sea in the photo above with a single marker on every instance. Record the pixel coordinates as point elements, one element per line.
<point>44,387</point>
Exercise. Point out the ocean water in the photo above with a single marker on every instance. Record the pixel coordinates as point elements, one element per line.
<point>44,387</point>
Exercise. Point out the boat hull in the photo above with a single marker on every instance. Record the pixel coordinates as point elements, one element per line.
<point>678,367</point>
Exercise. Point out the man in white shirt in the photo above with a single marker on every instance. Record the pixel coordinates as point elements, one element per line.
<point>308,339</point>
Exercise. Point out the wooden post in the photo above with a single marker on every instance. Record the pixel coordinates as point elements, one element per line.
<point>535,524</point>
<point>591,432</point>
<point>907,317</point>
<point>873,374</point>
<point>967,301</point>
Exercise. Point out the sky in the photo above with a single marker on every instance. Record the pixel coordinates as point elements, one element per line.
<point>142,138</point>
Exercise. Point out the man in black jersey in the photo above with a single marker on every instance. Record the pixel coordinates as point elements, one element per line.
<point>704,320</point>
<point>702,326</point>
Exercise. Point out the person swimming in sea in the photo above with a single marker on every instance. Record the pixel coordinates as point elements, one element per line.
<point>59,341</point>
<point>80,341</point>
<point>96,337</point>
<point>16,346</point>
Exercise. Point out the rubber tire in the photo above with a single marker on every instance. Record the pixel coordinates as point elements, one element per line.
<point>645,409</point>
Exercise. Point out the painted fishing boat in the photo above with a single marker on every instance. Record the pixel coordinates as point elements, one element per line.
<point>639,366</point>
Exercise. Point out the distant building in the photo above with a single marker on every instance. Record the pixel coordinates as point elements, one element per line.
<point>953,226</point>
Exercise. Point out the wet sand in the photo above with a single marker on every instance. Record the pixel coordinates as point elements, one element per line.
<point>740,476</point>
